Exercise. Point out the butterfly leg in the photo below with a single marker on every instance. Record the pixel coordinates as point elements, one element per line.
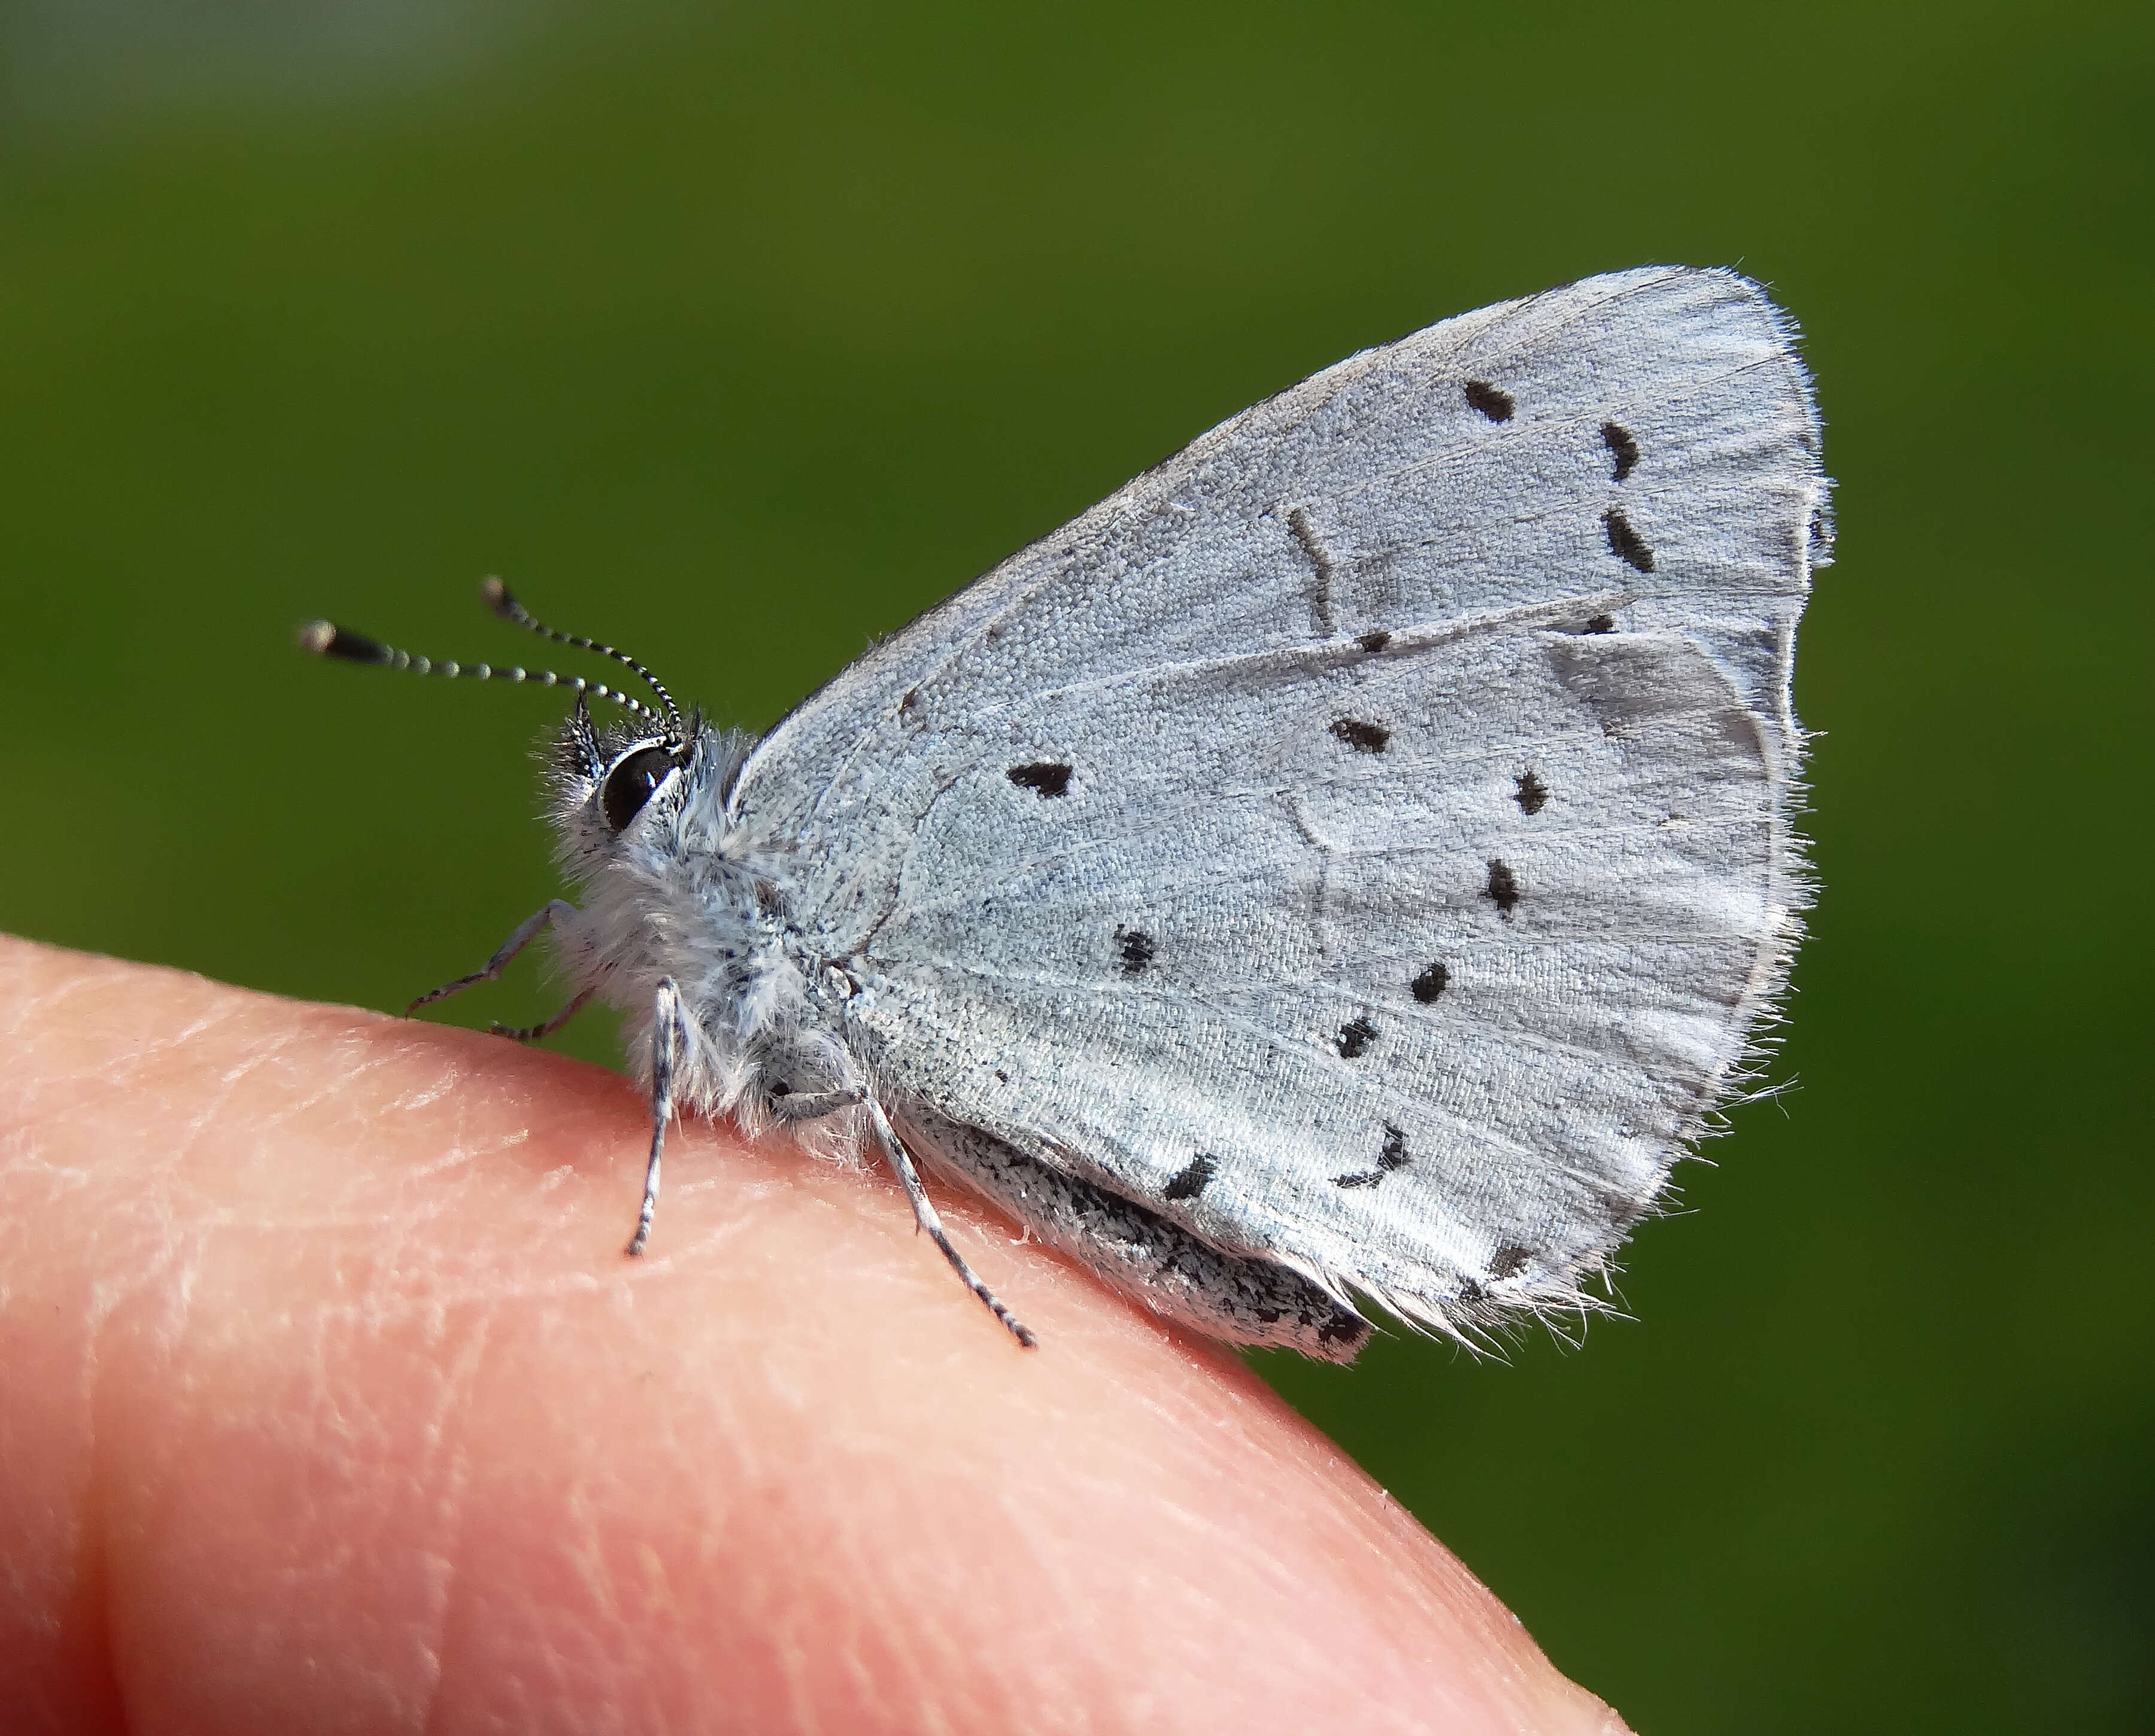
<point>668,1037</point>
<point>526,931</point>
<point>809,1105</point>
<point>924,1215</point>
<point>532,1033</point>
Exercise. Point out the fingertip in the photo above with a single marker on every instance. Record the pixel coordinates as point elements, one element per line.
<point>372,1384</point>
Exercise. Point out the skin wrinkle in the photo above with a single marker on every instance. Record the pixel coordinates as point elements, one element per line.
<point>91,1543</point>
<point>455,1612</point>
<point>73,1607</point>
<point>440,1439</point>
<point>1200,1538</point>
<point>74,1624</point>
<point>176,1262</point>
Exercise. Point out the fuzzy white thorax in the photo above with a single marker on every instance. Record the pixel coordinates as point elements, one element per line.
<point>682,892</point>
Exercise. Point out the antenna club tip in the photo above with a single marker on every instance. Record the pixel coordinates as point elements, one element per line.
<point>325,639</point>
<point>495,595</point>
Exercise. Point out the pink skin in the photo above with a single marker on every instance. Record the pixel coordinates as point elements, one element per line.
<point>331,1403</point>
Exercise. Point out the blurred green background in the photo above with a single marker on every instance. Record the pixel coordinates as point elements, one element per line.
<point>737,333</point>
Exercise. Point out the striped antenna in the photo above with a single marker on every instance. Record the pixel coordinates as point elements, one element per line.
<point>325,639</point>
<point>497,598</point>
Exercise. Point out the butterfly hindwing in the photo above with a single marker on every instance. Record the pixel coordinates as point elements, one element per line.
<point>1413,1024</point>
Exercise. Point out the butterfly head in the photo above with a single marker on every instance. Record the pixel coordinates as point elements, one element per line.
<point>615,771</point>
<point>622,786</point>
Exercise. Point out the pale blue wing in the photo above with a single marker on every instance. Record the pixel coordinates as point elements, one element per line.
<point>1443,698</point>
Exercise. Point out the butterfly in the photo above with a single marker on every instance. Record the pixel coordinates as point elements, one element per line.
<point>1347,866</point>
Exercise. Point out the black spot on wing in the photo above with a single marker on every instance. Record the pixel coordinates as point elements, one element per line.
<point>1508,1262</point>
<point>1342,1328</point>
<point>1355,1036</point>
<point>1374,643</point>
<point>1626,541</point>
<point>1393,1156</point>
<point>1137,950</point>
<point>1821,537</point>
<point>1430,984</point>
<point>1495,404</point>
<point>1189,1181</point>
<point>1503,888</point>
<point>1622,446</point>
<point>1533,794</point>
<point>1364,738</point>
<point>1601,624</point>
<point>1049,777</point>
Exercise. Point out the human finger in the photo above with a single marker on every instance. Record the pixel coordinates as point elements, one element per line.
<point>332,1402</point>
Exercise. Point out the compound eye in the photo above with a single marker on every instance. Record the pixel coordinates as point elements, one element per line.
<point>629,782</point>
